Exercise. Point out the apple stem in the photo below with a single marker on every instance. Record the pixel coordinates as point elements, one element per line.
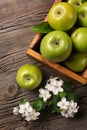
<point>27,78</point>
<point>77,4</point>
<point>56,43</point>
<point>59,12</point>
<point>83,14</point>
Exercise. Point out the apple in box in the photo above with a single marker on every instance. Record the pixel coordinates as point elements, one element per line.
<point>79,39</point>
<point>62,16</point>
<point>56,46</point>
<point>76,62</point>
<point>82,15</point>
<point>75,3</point>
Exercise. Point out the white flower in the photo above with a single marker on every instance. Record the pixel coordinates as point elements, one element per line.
<point>73,106</point>
<point>25,108</point>
<point>71,109</point>
<point>44,94</point>
<point>15,110</point>
<point>54,85</point>
<point>65,113</point>
<point>33,115</point>
<point>26,111</point>
<point>63,104</point>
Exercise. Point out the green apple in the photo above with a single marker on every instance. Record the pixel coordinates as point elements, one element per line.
<point>29,76</point>
<point>82,14</point>
<point>79,39</point>
<point>56,46</point>
<point>62,16</point>
<point>75,3</point>
<point>77,62</point>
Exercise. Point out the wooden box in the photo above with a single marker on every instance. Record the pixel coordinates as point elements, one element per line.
<point>33,51</point>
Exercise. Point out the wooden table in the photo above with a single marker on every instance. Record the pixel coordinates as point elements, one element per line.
<point>16,20</point>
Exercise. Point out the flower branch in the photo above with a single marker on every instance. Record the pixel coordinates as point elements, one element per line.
<point>56,97</point>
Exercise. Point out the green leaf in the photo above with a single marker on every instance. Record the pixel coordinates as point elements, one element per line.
<point>62,94</point>
<point>38,105</point>
<point>83,1</point>
<point>43,27</point>
<point>55,110</point>
<point>22,101</point>
<point>72,96</point>
<point>52,105</point>
<point>67,87</point>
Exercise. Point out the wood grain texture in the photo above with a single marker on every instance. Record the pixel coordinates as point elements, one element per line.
<point>16,20</point>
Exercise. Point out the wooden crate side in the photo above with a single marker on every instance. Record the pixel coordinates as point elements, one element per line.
<point>57,67</point>
<point>84,74</point>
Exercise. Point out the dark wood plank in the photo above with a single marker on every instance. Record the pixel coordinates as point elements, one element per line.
<point>16,20</point>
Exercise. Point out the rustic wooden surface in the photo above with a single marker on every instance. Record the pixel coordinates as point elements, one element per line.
<point>16,20</point>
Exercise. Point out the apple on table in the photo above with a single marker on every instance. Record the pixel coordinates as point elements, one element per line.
<point>29,76</point>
